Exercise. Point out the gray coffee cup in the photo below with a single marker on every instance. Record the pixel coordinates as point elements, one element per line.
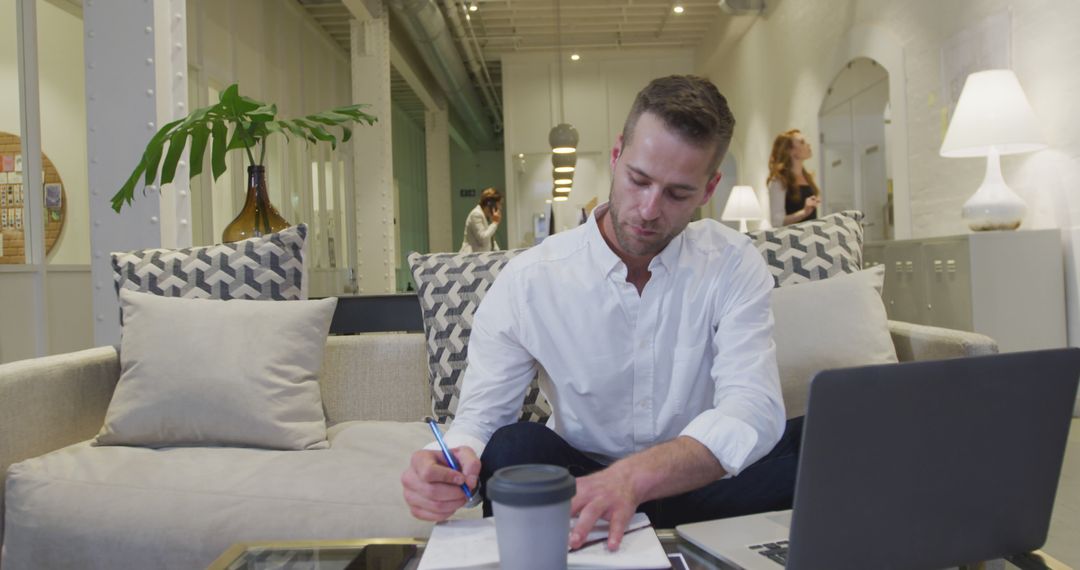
<point>531,504</point>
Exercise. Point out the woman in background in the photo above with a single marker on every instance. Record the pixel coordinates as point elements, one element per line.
<point>793,195</point>
<point>482,222</point>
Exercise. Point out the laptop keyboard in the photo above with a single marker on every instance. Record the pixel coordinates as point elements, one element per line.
<point>775,551</point>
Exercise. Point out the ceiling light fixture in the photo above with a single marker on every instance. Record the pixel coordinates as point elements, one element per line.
<point>678,9</point>
<point>473,7</point>
<point>565,162</point>
<point>574,57</point>
<point>563,137</point>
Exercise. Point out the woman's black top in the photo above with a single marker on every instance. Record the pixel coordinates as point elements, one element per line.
<point>792,206</point>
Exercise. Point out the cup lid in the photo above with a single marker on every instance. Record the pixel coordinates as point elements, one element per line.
<point>531,485</point>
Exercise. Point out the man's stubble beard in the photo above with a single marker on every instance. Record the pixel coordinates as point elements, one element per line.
<point>626,241</point>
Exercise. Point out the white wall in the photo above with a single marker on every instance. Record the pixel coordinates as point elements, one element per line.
<point>776,76</point>
<point>599,90</point>
<point>278,54</point>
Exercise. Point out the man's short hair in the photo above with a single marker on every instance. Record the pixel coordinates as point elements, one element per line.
<point>691,106</point>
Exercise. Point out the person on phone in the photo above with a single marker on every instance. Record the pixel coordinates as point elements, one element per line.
<point>482,222</point>
<point>653,340</point>
<point>793,195</point>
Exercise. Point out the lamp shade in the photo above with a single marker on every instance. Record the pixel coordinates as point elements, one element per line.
<point>742,204</point>
<point>563,138</point>
<point>992,113</point>
<point>565,162</point>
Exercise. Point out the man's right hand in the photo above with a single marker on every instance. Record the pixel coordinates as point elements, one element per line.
<point>432,489</point>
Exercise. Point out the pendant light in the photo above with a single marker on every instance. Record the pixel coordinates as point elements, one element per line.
<point>563,137</point>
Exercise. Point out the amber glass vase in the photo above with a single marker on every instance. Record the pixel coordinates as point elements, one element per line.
<point>258,216</point>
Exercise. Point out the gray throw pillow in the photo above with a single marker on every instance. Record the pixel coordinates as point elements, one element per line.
<point>269,267</point>
<point>450,287</point>
<point>809,251</point>
<point>197,372</point>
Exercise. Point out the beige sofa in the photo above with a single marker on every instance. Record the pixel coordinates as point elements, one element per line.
<point>70,505</point>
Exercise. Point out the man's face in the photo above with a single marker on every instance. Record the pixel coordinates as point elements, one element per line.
<point>657,181</point>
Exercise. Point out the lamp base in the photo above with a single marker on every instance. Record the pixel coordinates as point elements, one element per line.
<point>994,206</point>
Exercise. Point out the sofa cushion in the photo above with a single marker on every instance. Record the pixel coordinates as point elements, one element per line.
<point>208,372</point>
<point>182,507</point>
<point>834,323</point>
<point>812,250</point>
<point>450,287</point>
<point>270,267</point>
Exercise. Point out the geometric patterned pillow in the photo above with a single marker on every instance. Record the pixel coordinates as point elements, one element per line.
<point>809,251</point>
<point>450,287</point>
<point>269,267</point>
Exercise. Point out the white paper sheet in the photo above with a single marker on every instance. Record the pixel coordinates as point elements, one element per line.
<point>461,544</point>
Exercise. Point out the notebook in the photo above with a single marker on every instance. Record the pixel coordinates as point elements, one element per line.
<point>461,544</point>
<point>917,465</point>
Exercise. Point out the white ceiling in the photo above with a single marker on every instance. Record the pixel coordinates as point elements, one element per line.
<point>499,27</point>
<point>503,26</point>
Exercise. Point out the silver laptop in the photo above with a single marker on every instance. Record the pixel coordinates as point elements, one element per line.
<point>917,465</point>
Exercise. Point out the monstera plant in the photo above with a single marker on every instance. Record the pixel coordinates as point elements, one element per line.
<point>235,122</point>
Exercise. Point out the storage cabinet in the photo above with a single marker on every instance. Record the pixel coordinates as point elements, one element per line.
<point>1009,286</point>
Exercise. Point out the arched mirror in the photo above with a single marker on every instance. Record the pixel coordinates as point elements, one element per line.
<point>854,123</point>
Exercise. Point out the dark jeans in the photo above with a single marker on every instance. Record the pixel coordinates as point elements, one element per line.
<point>767,485</point>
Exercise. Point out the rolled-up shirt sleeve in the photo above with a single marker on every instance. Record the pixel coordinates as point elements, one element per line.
<point>499,368</point>
<point>747,417</point>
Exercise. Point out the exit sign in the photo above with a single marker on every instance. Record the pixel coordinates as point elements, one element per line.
<point>468,192</point>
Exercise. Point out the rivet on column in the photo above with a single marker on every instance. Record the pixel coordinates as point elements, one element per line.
<point>153,219</point>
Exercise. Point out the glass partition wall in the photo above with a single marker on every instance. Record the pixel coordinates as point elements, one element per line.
<point>44,200</point>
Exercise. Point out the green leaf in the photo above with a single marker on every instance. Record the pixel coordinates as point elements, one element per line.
<point>298,131</point>
<point>331,118</point>
<point>346,134</point>
<point>217,153</point>
<point>275,127</point>
<point>127,191</point>
<point>199,134</point>
<point>263,113</point>
<point>176,149</point>
<point>239,138</point>
<point>315,130</point>
<point>152,158</point>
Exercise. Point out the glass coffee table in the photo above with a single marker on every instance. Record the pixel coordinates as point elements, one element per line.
<point>405,553</point>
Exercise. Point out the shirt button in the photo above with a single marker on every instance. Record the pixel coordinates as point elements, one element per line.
<point>645,403</point>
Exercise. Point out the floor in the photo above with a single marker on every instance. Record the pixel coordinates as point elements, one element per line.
<point>1065,524</point>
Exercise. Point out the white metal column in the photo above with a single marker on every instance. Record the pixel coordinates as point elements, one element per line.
<point>373,168</point>
<point>437,141</point>
<point>171,78</point>
<point>30,123</point>
<point>122,91</point>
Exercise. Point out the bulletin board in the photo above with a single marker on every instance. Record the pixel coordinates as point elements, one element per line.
<point>13,201</point>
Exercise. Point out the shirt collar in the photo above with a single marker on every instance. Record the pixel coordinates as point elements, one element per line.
<point>608,261</point>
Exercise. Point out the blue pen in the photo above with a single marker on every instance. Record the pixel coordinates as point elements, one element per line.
<point>446,453</point>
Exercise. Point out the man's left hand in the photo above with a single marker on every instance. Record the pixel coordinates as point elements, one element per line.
<point>608,495</point>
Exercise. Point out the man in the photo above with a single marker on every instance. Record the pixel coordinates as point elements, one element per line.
<point>654,341</point>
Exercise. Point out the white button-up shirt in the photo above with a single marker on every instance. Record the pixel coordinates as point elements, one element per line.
<point>692,355</point>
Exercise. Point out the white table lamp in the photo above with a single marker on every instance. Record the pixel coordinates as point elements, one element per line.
<point>992,118</point>
<point>741,205</point>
